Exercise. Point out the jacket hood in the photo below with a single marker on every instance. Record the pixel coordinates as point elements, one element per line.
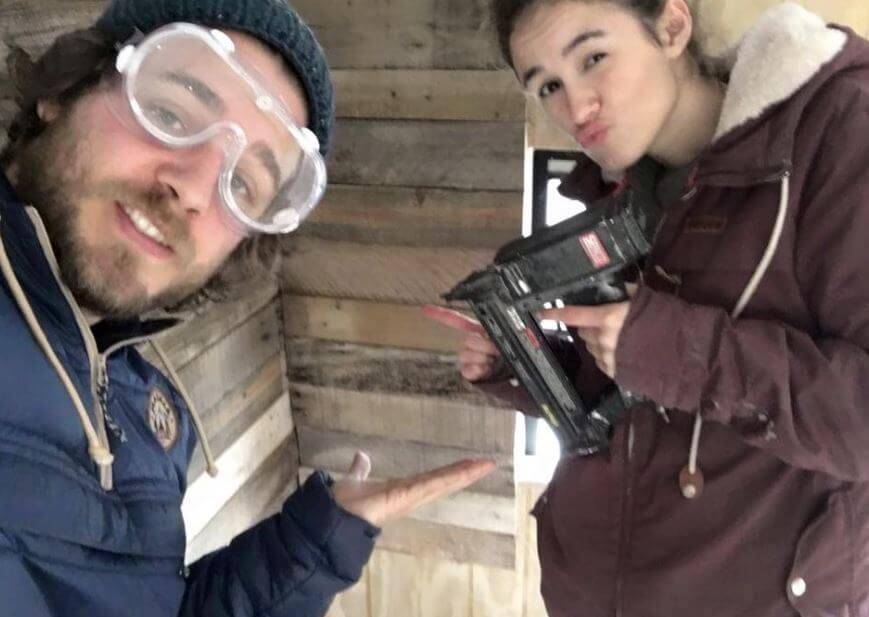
<point>786,56</point>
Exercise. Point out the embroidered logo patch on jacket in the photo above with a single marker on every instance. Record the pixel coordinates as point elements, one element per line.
<point>163,419</point>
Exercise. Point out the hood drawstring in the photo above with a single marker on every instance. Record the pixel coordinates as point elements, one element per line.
<point>691,478</point>
<point>211,466</point>
<point>99,451</point>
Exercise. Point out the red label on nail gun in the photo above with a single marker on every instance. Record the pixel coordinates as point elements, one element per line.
<point>594,249</point>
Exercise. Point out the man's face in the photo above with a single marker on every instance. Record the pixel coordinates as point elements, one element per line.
<point>137,225</point>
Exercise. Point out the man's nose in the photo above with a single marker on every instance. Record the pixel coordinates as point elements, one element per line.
<point>191,176</point>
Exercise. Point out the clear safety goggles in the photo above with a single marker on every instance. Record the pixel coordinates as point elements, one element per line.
<point>187,88</point>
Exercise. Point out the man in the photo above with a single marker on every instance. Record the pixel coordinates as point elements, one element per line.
<point>154,158</point>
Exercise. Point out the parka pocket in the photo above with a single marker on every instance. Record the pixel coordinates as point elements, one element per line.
<point>821,581</point>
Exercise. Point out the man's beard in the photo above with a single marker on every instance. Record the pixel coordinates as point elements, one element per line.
<point>103,279</point>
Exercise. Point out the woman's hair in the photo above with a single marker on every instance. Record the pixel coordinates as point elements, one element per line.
<point>73,66</point>
<point>506,13</point>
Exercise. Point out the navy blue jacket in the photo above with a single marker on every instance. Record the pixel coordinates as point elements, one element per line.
<point>70,548</point>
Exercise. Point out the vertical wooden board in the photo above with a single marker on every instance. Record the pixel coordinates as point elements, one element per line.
<point>496,591</point>
<point>533,601</point>
<point>459,155</point>
<point>409,586</point>
<point>429,95</point>
<point>354,601</point>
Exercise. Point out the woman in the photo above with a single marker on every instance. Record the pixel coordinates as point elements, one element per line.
<point>751,323</point>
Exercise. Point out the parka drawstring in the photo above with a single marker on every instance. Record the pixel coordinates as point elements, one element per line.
<point>691,478</point>
<point>99,451</point>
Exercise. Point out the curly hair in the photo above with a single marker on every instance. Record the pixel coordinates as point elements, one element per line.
<point>75,64</point>
<point>506,14</point>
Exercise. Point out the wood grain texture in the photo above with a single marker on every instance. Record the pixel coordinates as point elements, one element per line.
<point>430,420</point>
<point>206,496</point>
<point>402,585</point>
<point>458,155</point>
<point>448,543</point>
<point>260,497</point>
<point>384,273</point>
<point>465,509</point>
<point>380,369</point>
<point>440,34</point>
<point>184,343</point>
<point>234,413</point>
<point>369,323</point>
<point>429,95</point>
<point>334,451</point>
<point>416,217</point>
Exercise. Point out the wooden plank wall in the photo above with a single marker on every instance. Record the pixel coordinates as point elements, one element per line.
<point>425,183</point>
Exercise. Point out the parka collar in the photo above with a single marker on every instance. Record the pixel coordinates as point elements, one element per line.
<point>787,55</point>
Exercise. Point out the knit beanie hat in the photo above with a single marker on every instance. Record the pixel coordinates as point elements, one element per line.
<point>273,22</point>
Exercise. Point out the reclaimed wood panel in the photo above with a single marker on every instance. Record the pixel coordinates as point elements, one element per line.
<point>458,155</point>
<point>259,498</point>
<point>368,323</point>
<point>206,496</point>
<point>401,216</point>
<point>449,543</point>
<point>465,509</point>
<point>440,34</point>
<point>431,420</point>
<point>379,369</point>
<point>183,343</point>
<point>402,585</point>
<point>334,451</point>
<point>238,410</point>
<point>384,273</point>
<point>429,95</point>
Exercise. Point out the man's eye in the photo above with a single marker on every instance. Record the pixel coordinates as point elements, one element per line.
<point>241,189</point>
<point>593,60</point>
<point>166,119</point>
<point>548,88</point>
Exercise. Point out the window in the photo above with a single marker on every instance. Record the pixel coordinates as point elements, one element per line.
<point>538,450</point>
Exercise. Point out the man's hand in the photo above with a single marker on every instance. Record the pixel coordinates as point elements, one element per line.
<point>381,502</point>
<point>598,326</point>
<point>479,357</point>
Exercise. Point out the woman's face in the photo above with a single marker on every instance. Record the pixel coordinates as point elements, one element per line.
<point>599,74</point>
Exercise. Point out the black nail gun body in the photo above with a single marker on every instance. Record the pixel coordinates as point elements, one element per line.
<point>580,261</point>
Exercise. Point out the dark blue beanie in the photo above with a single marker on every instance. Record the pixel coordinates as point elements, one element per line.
<point>271,21</point>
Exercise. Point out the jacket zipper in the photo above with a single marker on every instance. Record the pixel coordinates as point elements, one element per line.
<point>99,382</point>
<point>627,499</point>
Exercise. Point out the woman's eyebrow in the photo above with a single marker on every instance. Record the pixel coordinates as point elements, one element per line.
<point>575,42</point>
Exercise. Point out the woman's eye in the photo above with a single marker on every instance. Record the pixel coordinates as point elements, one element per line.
<point>548,88</point>
<point>593,60</point>
<point>166,119</point>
